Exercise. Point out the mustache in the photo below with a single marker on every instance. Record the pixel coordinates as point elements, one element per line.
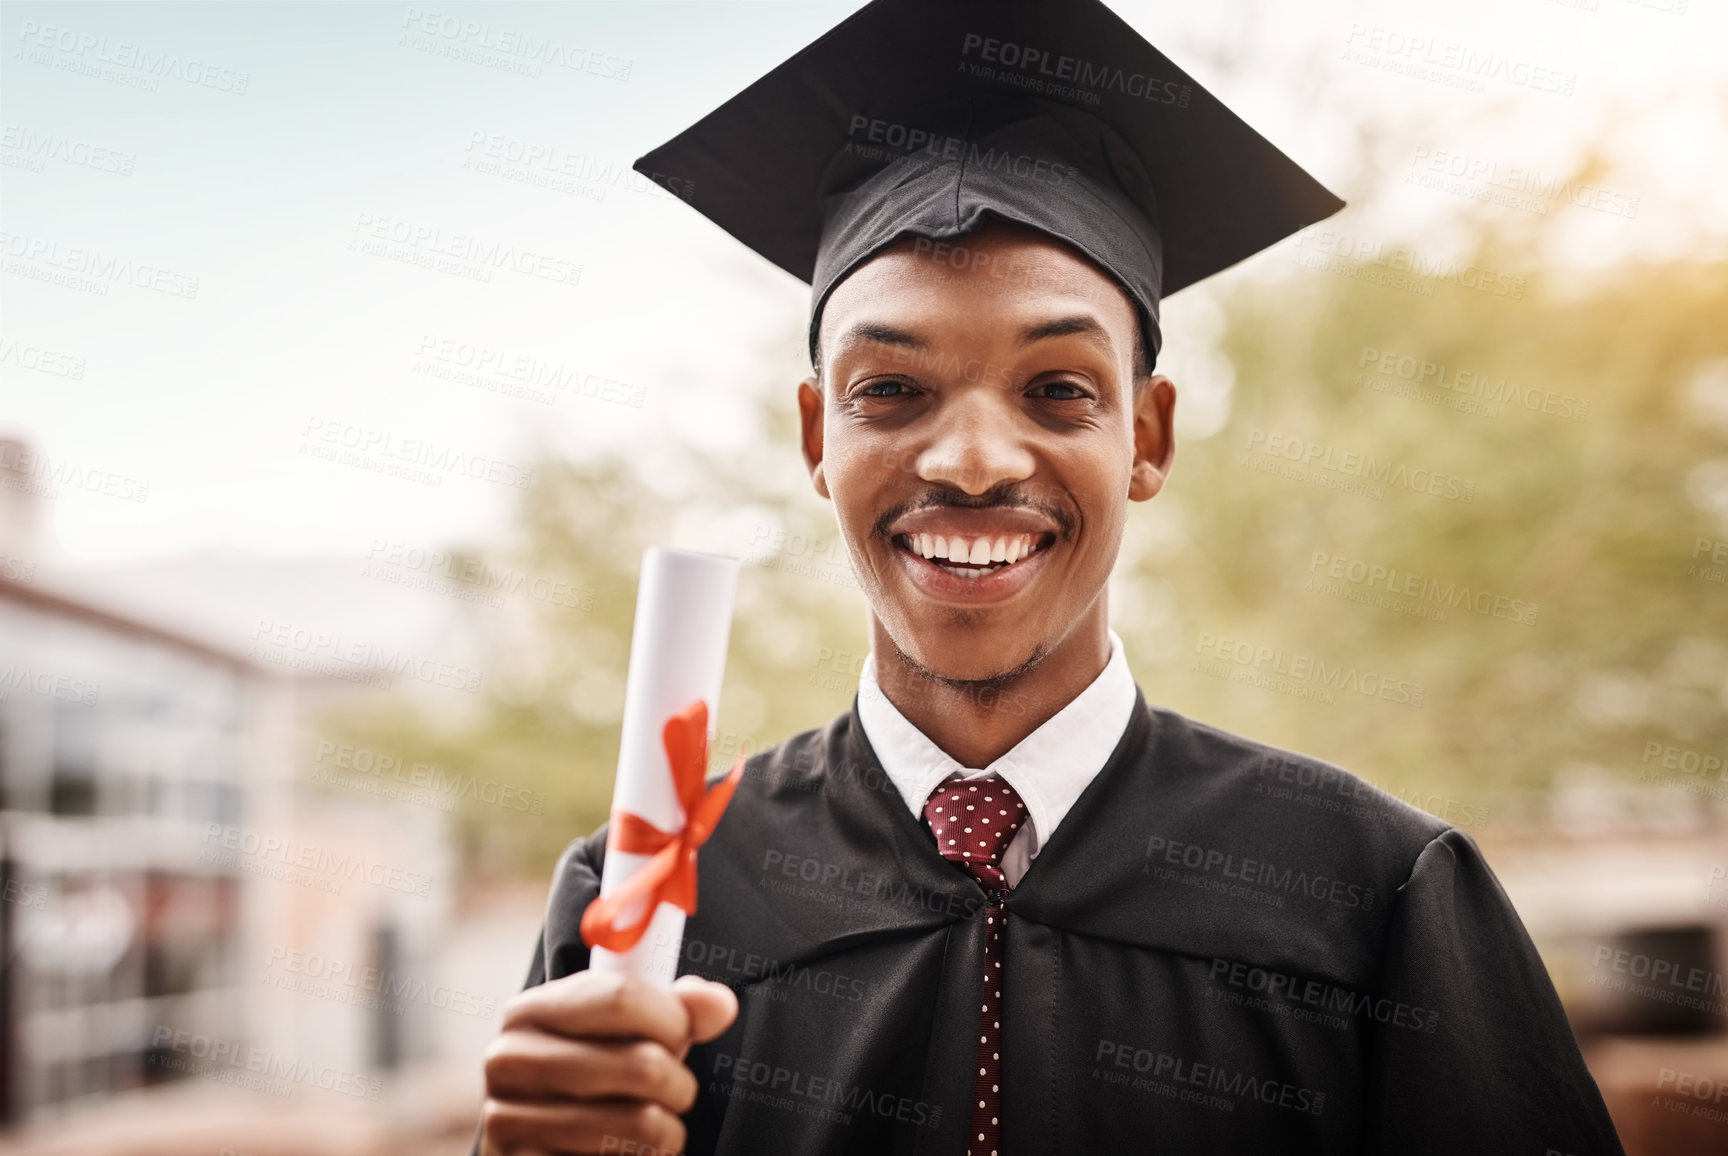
<point>1008,496</point>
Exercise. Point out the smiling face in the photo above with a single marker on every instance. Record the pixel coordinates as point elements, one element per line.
<point>980,430</point>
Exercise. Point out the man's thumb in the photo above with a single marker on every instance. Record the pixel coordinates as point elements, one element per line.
<point>711,1006</point>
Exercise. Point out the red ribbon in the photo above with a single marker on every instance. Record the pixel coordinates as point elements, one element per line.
<point>670,877</point>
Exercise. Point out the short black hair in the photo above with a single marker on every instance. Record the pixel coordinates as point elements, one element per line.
<point>1143,357</point>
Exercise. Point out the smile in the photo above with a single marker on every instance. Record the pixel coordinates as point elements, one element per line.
<point>966,556</point>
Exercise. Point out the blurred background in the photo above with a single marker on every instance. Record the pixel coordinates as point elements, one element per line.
<point>346,369</point>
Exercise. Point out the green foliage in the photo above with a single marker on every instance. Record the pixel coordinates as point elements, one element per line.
<point>554,692</point>
<point>1590,520</point>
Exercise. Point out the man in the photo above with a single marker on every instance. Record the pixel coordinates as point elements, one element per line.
<point>1002,905</point>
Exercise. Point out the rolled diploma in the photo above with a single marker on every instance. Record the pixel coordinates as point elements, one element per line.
<point>677,655</point>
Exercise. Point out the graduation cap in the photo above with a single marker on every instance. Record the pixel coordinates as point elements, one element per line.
<point>924,117</point>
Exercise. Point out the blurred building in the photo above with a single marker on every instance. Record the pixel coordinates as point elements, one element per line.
<point>193,931</point>
<point>122,746</point>
<point>1624,887</point>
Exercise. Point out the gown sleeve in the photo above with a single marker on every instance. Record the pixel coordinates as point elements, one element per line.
<point>1501,1070</point>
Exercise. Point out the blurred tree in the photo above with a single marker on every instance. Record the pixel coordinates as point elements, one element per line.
<point>1586,417</point>
<point>554,692</point>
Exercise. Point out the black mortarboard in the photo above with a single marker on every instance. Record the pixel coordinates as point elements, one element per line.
<point>921,116</point>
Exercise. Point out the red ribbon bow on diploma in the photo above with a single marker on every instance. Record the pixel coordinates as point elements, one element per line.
<point>670,877</point>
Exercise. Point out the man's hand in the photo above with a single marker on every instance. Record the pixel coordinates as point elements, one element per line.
<point>595,1063</point>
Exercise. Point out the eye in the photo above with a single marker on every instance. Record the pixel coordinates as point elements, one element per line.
<point>886,388</point>
<point>1058,391</point>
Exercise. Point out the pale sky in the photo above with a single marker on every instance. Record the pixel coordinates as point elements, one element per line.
<point>357,125</point>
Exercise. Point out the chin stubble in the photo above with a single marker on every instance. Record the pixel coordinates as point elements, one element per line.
<point>993,682</point>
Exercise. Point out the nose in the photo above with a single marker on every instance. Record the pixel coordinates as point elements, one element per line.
<point>976,442</point>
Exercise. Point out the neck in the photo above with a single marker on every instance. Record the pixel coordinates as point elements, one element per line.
<point>977,723</point>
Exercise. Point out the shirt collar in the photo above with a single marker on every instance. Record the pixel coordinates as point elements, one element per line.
<point>1049,767</point>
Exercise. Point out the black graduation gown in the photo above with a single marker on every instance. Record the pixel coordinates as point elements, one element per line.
<point>1223,948</point>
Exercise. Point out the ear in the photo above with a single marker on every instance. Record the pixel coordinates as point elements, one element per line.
<point>1154,437</point>
<point>810,430</point>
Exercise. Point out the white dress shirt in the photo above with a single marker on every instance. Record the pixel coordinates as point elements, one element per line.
<point>1049,767</point>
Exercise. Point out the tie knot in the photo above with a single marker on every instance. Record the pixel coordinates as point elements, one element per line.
<point>973,821</point>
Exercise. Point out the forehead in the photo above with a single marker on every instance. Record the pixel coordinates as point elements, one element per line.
<point>1002,272</point>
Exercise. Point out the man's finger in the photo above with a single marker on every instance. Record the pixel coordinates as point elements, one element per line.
<point>606,1126</point>
<point>711,1007</point>
<point>589,1004</point>
<point>527,1064</point>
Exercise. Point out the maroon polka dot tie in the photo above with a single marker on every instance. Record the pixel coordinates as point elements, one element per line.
<point>973,821</point>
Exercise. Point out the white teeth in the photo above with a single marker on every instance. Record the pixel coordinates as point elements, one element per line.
<point>972,554</point>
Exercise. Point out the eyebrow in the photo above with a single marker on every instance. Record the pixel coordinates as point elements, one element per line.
<point>874,332</point>
<point>1077,325</point>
